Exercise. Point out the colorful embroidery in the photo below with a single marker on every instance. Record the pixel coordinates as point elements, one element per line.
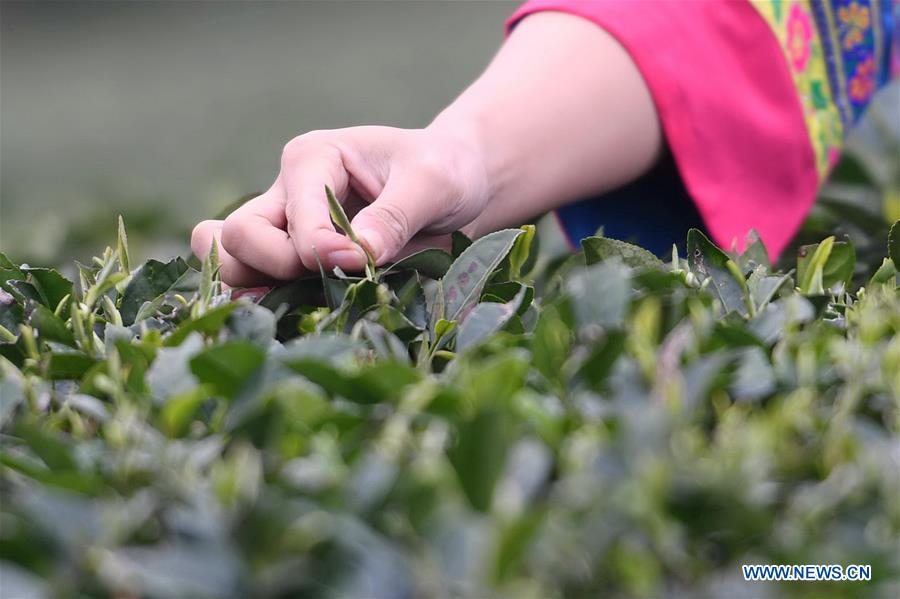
<point>862,85</point>
<point>857,38</point>
<point>855,20</point>
<point>838,53</point>
<point>799,37</point>
<point>795,27</point>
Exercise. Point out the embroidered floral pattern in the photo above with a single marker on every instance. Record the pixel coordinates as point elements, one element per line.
<point>855,20</point>
<point>856,35</point>
<point>862,85</point>
<point>834,49</point>
<point>799,37</point>
<point>793,24</point>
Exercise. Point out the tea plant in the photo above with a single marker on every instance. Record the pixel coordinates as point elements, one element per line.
<point>454,424</point>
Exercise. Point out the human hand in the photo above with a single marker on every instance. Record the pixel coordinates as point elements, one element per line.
<point>403,189</point>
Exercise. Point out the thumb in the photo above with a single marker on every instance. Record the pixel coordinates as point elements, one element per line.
<point>386,225</point>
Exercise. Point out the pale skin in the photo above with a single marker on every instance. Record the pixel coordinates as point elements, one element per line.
<point>560,114</point>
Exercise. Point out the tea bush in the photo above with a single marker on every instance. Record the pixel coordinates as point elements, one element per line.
<point>452,425</point>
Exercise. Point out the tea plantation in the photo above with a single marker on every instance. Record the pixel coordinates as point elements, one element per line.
<point>466,424</point>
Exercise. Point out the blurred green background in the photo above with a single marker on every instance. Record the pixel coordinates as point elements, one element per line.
<point>168,111</point>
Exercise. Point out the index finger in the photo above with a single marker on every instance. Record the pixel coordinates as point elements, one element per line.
<point>306,170</point>
<point>256,234</point>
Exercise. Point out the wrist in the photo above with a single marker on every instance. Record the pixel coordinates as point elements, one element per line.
<point>466,143</point>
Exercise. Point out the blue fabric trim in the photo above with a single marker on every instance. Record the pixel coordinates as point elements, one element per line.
<point>654,212</point>
<point>843,62</point>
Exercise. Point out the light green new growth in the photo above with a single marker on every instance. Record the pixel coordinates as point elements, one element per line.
<point>343,223</point>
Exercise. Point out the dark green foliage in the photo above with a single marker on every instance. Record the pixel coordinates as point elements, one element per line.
<point>440,428</point>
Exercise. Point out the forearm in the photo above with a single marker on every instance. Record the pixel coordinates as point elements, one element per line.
<point>561,113</point>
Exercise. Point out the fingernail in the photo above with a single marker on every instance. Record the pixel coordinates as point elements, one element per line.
<point>373,241</point>
<point>347,258</point>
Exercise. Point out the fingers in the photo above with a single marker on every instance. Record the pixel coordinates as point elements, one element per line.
<point>255,235</point>
<point>232,271</point>
<point>388,224</point>
<point>308,165</point>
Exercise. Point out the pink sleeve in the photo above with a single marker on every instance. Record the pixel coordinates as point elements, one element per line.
<point>728,105</point>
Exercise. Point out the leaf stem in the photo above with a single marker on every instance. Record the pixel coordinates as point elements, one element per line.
<point>343,223</point>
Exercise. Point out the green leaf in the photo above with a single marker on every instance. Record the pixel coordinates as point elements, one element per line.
<point>386,344</point>
<point>886,273</point>
<point>551,344</point>
<point>432,263</point>
<point>823,265</point>
<point>170,373</point>
<point>852,170</point>
<point>763,288</point>
<point>754,378</point>
<point>153,279</point>
<point>602,359</point>
<point>49,326</point>
<point>515,540</point>
<point>12,395</point>
<point>755,253</point>
<point>479,455</point>
<point>811,260</point>
<point>227,368</point>
<point>485,319</point>
<point>386,381</point>
<point>62,366</point>
<point>709,261</point>
<point>443,328</point>
<point>52,286</point>
<point>521,252</point>
<point>50,447</point>
<point>122,247</point>
<point>11,312</point>
<point>600,293</point>
<point>253,323</point>
<point>598,249</point>
<point>209,274</point>
<point>894,243</point>
<point>211,322</point>
<point>506,292</point>
<point>307,291</point>
<point>178,412</point>
<point>468,274</point>
<point>459,242</point>
<point>396,322</point>
<point>343,223</point>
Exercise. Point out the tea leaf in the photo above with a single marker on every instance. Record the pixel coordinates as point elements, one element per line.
<point>600,293</point>
<point>177,413</point>
<point>122,247</point>
<point>49,326</point>
<point>459,242</point>
<point>755,253</point>
<point>149,282</point>
<point>343,223</point>
<point>209,273</point>
<point>470,271</point>
<point>62,366</point>
<point>521,251</point>
<point>711,262</point>
<point>598,249</point>
<point>479,455</point>
<point>894,243</point>
<point>486,319</point>
<point>226,368</point>
<point>52,286</point>
<point>432,263</point>
<point>821,266</point>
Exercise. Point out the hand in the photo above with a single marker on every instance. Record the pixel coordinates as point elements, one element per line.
<point>403,189</point>
<point>562,113</point>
